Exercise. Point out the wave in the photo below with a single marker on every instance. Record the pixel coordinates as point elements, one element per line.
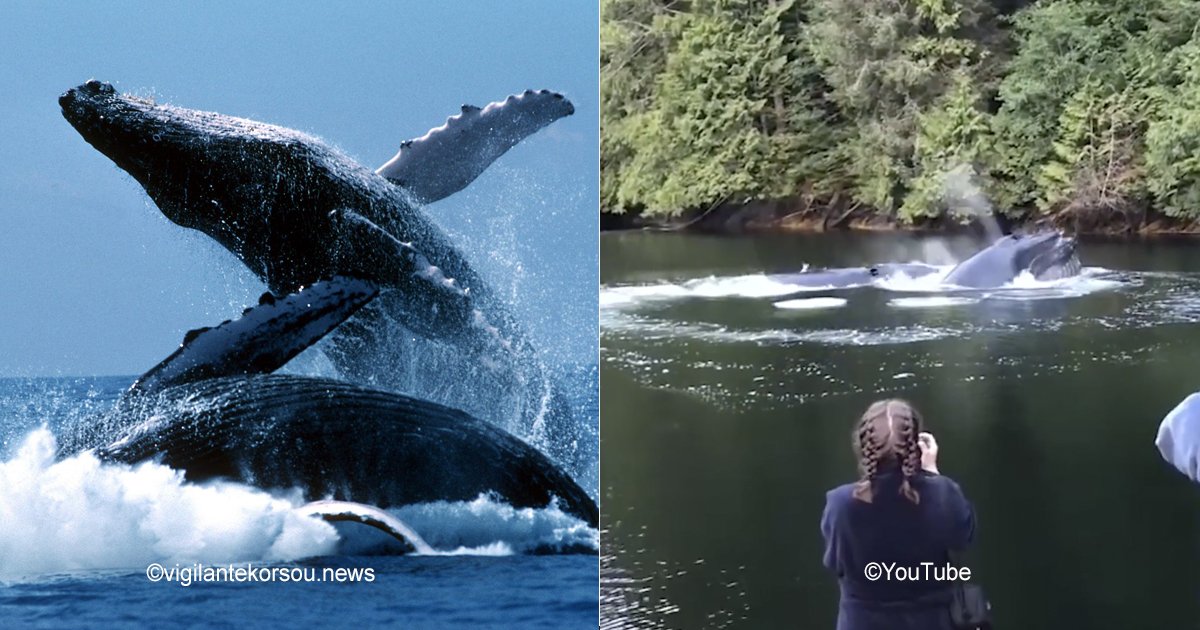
<point>489,527</point>
<point>81,514</point>
<point>658,329</point>
<point>931,302</point>
<point>1024,286</point>
<point>811,303</point>
<point>758,285</point>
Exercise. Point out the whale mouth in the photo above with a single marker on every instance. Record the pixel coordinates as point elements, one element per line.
<point>1054,258</point>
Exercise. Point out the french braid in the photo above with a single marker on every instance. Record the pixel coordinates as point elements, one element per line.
<point>888,427</point>
<point>868,460</point>
<point>907,448</point>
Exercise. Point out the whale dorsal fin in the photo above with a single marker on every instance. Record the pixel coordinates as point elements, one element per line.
<point>345,511</point>
<point>443,161</point>
<point>264,338</point>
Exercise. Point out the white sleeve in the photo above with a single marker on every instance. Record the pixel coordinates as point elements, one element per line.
<point>1179,437</point>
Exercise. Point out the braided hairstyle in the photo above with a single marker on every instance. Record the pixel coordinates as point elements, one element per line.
<point>888,430</point>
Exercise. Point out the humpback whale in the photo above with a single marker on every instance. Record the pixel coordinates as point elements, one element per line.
<point>295,210</point>
<point>850,277</point>
<point>1046,256</point>
<point>216,409</point>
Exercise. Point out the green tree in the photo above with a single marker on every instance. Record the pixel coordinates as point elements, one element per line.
<point>1173,141</point>
<point>887,61</point>
<point>732,119</point>
<point>918,109</point>
<point>1071,54</point>
<point>633,47</point>
<point>952,157</point>
<point>1094,164</point>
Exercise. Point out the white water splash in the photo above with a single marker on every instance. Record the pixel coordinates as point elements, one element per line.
<point>747,286</point>
<point>902,282</point>
<point>1090,280</point>
<point>79,514</point>
<point>488,527</point>
<point>811,303</point>
<point>931,302</point>
<point>656,329</point>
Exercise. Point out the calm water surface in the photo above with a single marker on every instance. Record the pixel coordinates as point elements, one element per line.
<point>726,418</point>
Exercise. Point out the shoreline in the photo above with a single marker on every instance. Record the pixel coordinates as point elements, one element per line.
<point>783,217</point>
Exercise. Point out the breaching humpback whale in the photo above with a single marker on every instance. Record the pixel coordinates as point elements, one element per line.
<point>214,409</point>
<point>296,210</point>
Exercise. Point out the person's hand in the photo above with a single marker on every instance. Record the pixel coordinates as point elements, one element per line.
<point>929,452</point>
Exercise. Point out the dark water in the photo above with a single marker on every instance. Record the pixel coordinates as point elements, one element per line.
<point>725,419</point>
<point>481,588</point>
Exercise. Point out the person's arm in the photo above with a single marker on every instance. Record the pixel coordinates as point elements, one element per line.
<point>830,534</point>
<point>1178,438</point>
<point>961,513</point>
<point>962,518</point>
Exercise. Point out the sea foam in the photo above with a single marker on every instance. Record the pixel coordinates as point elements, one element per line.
<point>81,514</point>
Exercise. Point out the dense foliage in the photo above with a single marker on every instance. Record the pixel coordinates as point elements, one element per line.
<point>910,109</point>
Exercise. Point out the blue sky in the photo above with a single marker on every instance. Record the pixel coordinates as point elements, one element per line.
<point>94,280</point>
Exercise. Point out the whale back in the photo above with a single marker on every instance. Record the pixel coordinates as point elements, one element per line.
<point>337,440</point>
<point>994,266</point>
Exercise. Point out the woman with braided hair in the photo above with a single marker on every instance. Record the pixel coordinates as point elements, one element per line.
<point>900,514</point>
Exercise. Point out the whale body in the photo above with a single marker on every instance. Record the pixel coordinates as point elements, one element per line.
<point>215,409</point>
<point>295,210</point>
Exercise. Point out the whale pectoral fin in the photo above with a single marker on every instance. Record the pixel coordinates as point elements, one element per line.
<point>345,511</point>
<point>433,303</point>
<point>445,160</point>
<point>264,338</point>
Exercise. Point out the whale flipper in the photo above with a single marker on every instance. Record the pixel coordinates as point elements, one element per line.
<point>432,303</point>
<point>346,511</point>
<point>264,338</point>
<point>443,161</point>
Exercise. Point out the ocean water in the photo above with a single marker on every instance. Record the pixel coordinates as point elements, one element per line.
<point>730,395</point>
<point>77,538</point>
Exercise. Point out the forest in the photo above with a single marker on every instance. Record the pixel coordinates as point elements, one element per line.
<point>905,113</point>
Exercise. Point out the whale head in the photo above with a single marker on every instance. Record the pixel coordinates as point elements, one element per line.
<point>203,169</point>
<point>1045,255</point>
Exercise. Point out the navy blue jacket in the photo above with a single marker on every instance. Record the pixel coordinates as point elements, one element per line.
<point>891,529</point>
